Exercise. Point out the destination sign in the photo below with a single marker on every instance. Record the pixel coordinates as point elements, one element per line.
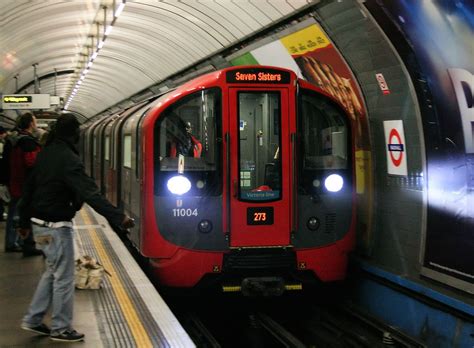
<point>258,75</point>
<point>26,101</point>
<point>11,99</point>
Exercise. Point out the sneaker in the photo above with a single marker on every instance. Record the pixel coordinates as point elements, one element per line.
<point>15,249</point>
<point>32,252</point>
<point>41,329</point>
<point>67,336</point>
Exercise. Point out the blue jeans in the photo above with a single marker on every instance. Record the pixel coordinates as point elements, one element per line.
<point>56,286</point>
<point>11,237</point>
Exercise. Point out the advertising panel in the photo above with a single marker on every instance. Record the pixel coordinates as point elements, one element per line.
<point>440,37</point>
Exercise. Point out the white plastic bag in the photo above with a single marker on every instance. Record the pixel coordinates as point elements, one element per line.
<point>89,273</point>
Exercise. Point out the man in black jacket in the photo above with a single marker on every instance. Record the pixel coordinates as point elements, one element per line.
<point>56,189</point>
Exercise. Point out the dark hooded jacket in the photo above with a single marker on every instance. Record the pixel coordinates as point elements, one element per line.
<point>20,152</point>
<point>59,185</point>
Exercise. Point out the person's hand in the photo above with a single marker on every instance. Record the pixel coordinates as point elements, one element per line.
<point>127,222</point>
<point>23,232</point>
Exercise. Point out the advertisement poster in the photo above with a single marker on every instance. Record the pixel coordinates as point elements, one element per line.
<point>440,35</point>
<point>313,57</point>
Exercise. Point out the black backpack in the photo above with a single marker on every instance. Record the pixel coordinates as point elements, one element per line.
<point>10,142</point>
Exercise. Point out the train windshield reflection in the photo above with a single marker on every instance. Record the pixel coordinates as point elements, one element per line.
<point>186,141</point>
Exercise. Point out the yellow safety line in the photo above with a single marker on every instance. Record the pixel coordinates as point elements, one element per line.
<point>139,333</point>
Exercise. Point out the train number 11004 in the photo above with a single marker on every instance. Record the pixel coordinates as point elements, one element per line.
<point>185,212</point>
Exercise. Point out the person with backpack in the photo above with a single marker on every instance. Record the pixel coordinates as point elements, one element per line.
<point>20,153</point>
<point>4,194</point>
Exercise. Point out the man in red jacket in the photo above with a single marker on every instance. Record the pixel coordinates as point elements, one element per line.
<point>4,195</point>
<point>22,149</point>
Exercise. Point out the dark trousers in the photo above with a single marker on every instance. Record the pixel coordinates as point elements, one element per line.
<point>11,237</point>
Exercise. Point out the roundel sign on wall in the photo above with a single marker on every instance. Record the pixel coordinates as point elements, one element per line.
<point>395,147</point>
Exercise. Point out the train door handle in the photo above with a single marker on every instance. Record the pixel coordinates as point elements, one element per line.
<point>260,137</point>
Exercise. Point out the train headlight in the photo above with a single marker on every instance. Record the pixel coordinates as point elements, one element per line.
<point>205,226</point>
<point>178,185</point>
<point>334,183</point>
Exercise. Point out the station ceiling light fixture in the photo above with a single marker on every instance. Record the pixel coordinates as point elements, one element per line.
<point>96,47</point>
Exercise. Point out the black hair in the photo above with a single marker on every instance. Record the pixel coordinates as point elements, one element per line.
<point>24,121</point>
<point>65,128</point>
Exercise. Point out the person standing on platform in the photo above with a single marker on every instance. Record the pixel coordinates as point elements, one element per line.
<point>56,189</point>
<point>4,194</point>
<point>20,154</point>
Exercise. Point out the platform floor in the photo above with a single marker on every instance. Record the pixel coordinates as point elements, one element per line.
<point>126,312</point>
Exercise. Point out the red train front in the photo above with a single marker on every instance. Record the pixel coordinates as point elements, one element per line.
<point>246,179</point>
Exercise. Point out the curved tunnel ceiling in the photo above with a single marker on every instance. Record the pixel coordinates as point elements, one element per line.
<point>150,41</point>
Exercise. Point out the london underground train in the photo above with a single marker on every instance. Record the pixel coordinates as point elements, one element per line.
<point>243,177</point>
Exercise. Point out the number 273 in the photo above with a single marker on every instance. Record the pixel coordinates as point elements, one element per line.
<point>259,216</point>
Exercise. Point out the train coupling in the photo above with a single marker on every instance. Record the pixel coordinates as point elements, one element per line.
<point>262,286</point>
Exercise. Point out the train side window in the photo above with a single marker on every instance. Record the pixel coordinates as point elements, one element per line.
<point>117,149</point>
<point>107,148</point>
<point>113,146</point>
<point>190,129</point>
<point>94,146</point>
<point>127,151</point>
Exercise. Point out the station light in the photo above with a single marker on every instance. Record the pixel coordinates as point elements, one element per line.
<point>100,44</point>
<point>108,30</point>
<point>119,9</point>
<point>334,183</point>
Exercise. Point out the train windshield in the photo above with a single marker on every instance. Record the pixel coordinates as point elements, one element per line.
<point>259,146</point>
<point>324,136</point>
<point>186,144</point>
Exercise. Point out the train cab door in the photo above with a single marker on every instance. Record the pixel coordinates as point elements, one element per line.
<point>259,167</point>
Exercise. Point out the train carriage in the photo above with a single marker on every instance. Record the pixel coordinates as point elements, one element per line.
<point>243,176</point>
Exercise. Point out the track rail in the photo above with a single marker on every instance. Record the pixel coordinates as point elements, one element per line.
<point>233,322</point>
